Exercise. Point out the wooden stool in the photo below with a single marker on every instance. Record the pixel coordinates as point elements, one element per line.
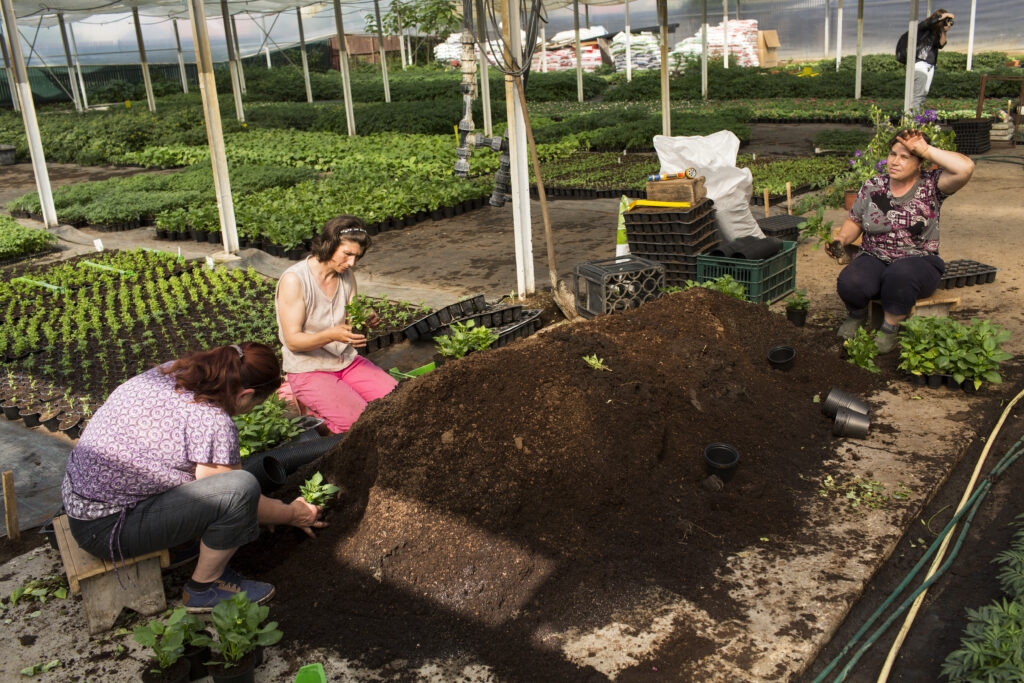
<point>102,593</point>
<point>933,305</point>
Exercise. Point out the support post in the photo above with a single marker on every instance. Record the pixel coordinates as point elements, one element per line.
<point>725,33</point>
<point>28,114</point>
<point>485,78</point>
<point>579,52</point>
<point>181,58</point>
<point>150,100</point>
<point>383,54</point>
<point>543,51</point>
<point>10,507</point>
<point>233,65</point>
<point>666,114</point>
<point>703,49</point>
<point>970,35</point>
<point>860,50</point>
<point>586,10</point>
<point>629,48</point>
<point>908,85</point>
<point>214,132</point>
<point>517,144</point>
<point>302,52</point>
<point>11,85</point>
<point>266,41</point>
<point>401,38</point>
<point>346,85</point>
<point>78,65</point>
<point>238,53</point>
<point>839,33</point>
<point>828,29</point>
<point>72,80</point>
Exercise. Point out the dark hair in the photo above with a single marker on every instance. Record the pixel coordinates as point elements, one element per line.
<point>906,132</point>
<point>933,18</point>
<point>336,231</point>
<point>216,376</point>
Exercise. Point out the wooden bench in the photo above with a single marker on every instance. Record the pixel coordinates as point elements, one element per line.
<point>140,588</point>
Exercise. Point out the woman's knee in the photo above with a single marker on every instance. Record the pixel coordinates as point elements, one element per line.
<point>240,488</point>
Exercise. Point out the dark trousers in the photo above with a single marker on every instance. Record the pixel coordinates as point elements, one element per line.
<point>898,284</point>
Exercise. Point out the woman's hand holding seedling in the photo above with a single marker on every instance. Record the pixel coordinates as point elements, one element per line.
<point>317,492</point>
<point>305,516</point>
<point>346,335</point>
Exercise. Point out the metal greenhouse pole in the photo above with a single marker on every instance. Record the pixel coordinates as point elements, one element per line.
<point>238,53</point>
<point>629,47</point>
<point>181,58</point>
<point>214,132</point>
<point>828,30</point>
<point>346,84</point>
<point>233,66</point>
<point>543,52</point>
<point>860,49</point>
<point>302,52</point>
<point>517,151</point>
<point>401,39</point>
<point>704,49</point>
<point>666,114</point>
<point>839,33</point>
<point>908,85</point>
<point>72,80</point>
<point>150,100</point>
<point>78,64</point>
<point>383,53</point>
<point>28,114</point>
<point>485,78</point>
<point>725,33</point>
<point>970,35</point>
<point>579,62</point>
<point>11,85</point>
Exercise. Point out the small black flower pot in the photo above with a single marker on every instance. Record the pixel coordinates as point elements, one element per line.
<point>837,398</point>
<point>721,460</point>
<point>918,380</point>
<point>797,316</point>
<point>967,386</point>
<point>934,381</point>
<point>52,422</point>
<point>176,673</point>
<point>197,657</point>
<point>198,235</point>
<point>213,237</point>
<point>31,419</point>
<point>436,215</point>
<point>11,412</point>
<point>781,357</point>
<point>245,672</point>
<point>448,211</point>
<point>851,423</point>
<point>161,233</point>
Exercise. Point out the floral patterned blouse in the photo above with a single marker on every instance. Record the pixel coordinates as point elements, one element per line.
<point>898,227</point>
<point>144,440</point>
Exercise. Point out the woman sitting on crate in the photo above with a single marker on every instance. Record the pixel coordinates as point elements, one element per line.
<point>325,373</point>
<point>158,466</point>
<point>898,214</point>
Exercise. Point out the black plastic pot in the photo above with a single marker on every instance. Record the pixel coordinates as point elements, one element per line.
<point>934,381</point>
<point>781,357</point>
<point>968,386</point>
<point>721,459</point>
<point>177,673</point>
<point>245,672</point>
<point>197,235</point>
<point>213,237</point>
<point>52,422</point>
<point>31,419</point>
<point>197,657</point>
<point>269,472</point>
<point>918,380</point>
<point>11,412</point>
<point>797,316</point>
<point>851,423</point>
<point>837,398</point>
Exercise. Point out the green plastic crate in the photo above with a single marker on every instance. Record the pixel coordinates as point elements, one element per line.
<point>766,280</point>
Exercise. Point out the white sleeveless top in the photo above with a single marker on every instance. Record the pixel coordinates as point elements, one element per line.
<point>321,313</point>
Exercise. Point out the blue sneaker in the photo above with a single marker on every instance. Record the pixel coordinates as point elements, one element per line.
<point>229,584</point>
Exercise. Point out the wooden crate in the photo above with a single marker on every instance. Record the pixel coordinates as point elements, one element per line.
<point>677,190</point>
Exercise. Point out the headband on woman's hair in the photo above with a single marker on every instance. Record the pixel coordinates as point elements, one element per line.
<point>238,348</point>
<point>342,232</point>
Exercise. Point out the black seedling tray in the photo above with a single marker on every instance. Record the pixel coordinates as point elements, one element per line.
<point>494,318</point>
<point>966,273</point>
<point>422,328</point>
<point>648,214</point>
<point>782,227</point>
<point>529,322</point>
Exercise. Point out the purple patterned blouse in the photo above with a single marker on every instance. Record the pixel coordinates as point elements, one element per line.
<point>146,439</point>
<point>897,227</point>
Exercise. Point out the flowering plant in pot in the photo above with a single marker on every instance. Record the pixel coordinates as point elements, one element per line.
<point>237,623</point>
<point>796,307</point>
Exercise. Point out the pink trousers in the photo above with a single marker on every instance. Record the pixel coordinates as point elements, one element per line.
<point>341,397</point>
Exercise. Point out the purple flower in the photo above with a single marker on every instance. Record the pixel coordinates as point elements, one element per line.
<point>857,153</point>
<point>880,166</point>
<point>853,162</point>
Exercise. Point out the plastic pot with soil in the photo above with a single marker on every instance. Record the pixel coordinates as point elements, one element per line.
<point>721,460</point>
<point>797,316</point>
<point>176,673</point>
<point>243,672</point>
<point>781,357</point>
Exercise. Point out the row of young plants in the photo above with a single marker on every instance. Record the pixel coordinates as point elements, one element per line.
<point>17,241</point>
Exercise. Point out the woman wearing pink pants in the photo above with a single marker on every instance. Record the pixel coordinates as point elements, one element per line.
<point>319,349</point>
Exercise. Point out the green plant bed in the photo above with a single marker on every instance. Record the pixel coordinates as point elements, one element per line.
<point>17,241</point>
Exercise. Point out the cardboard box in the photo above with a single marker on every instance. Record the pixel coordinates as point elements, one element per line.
<point>768,48</point>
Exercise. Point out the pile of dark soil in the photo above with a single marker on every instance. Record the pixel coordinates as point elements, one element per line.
<point>518,493</point>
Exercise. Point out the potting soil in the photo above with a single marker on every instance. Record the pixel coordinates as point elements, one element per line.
<point>516,495</point>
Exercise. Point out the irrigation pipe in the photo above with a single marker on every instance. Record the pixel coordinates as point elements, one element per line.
<point>1005,462</point>
<point>909,620</point>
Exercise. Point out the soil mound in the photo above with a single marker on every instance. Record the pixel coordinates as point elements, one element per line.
<point>520,492</point>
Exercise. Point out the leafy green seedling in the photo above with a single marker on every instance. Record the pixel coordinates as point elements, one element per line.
<point>41,667</point>
<point>167,641</point>
<point>237,622</point>
<point>726,284</point>
<point>596,363</point>
<point>464,337</point>
<point>862,350</point>
<point>318,493</point>
<point>798,301</point>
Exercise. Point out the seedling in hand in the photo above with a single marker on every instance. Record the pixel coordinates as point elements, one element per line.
<point>318,493</point>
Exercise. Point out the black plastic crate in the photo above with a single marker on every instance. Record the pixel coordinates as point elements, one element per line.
<point>973,136</point>
<point>658,251</point>
<point>647,214</point>
<point>616,284</point>
<point>966,273</point>
<point>782,227</point>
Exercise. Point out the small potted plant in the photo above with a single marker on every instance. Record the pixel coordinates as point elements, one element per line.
<point>167,642</point>
<point>316,492</point>
<point>193,630</point>
<point>237,623</point>
<point>796,307</point>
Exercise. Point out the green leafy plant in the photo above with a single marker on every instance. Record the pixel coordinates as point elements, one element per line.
<point>464,338</point>
<point>597,363</point>
<point>862,350</point>
<point>358,313</point>
<point>41,667</point>
<point>237,623</point>
<point>973,352</point>
<point>266,426</point>
<point>798,301</point>
<point>40,590</point>
<point>861,493</point>
<point>817,227</point>
<point>991,645</point>
<point>317,492</point>
<point>167,641</point>
<point>725,284</point>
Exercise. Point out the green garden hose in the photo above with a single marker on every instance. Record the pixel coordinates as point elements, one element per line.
<point>968,509</point>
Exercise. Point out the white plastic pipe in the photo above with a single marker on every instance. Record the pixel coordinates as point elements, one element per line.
<point>629,47</point>
<point>214,133</point>
<point>519,167</point>
<point>970,35</point>
<point>383,55</point>
<point>704,49</point>
<point>146,81</point>
<point>725,33</point>
<point>233,65</point>
<point>579,58</point>
<point>908,85</point>
<point>543,52</point>
<point>28,115</point>
<point>305,59</point>
<point>666,113</point>
<point>238,53</point>
<point>828,15</point>
<point>860,49</point>
<point>78,64</point>
<point>181,58</point>
<point>401,38</point>
<point>71,69</point>
<point>346,84</point>
<point>485,79</point>
<point>266,39</point>
<point>839,32</point>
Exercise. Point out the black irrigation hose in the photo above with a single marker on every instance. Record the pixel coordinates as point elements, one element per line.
<point>1001,158</point>
<point>969,510</point>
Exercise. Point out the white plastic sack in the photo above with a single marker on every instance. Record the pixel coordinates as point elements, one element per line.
<point>714,157</point>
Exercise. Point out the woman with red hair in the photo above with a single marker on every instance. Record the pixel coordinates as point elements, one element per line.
<point>158,466</point>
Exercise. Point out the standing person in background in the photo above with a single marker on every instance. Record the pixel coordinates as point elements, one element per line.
<point>931,37</point>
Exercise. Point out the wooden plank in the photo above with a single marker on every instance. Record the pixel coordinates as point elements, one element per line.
<point>10,507</point>
<point>79,564</point>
